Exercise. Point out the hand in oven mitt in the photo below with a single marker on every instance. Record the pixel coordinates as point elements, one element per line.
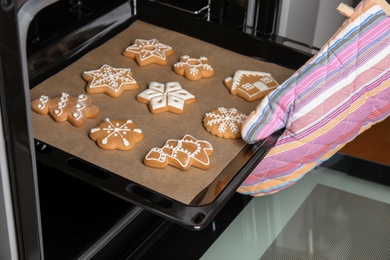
<point>339,93</point>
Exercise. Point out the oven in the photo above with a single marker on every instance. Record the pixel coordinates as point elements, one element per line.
<point>59,205</point>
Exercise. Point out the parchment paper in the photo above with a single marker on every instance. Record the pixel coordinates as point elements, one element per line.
<point>158,128</point>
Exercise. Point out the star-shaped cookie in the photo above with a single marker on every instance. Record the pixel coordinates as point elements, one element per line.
<point>76,110</point>
<point>109,80</point>
<point>181,154</point>
<point>192,68</point>
<point>116,134</point>
<point>250,85</point>
<point>166,97</point>
<point>147,52</point>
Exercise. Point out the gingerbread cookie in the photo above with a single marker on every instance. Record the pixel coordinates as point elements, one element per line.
<point>250,85</point>
<point>224,122</point>
<point>109,80</point>
<point>193,69</point>
<point>74,109</point>
<point>116,134</point>
<point>166,97</point>
<point>147,52</point>
<point>181,154</point>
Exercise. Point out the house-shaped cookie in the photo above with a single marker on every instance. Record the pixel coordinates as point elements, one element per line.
<point>250,85</point>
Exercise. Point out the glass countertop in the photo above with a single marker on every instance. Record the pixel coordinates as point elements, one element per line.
<point>325,215</point>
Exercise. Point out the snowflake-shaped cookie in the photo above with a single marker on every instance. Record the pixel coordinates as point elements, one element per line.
<point>116,134</point>
<point>166,97</point>
<point>109,80</point>
<point>193,69</point>
<point>250,85</point>
<point>147,52</point>
<point>181,154</point>
<point>224,122</point>
<point>74,109</point>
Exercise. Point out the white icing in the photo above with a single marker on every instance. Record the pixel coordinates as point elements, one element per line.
<point>125,142</point>
<point>43,100</point>
<point>194,65</point>
<point>162,157</point>
<point>149,48</point>
<point>226,119</point>
<point>61,104</point>
<point>82,97</point>
<point>115,130</point>
<point>80,106</point>
<point>238,75</point>
<point>171,94</point>
<point>259,86</point>
<point>176,147</point>
<point>112,78</point>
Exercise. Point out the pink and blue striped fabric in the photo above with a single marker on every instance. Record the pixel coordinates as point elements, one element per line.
<point>336,95</point>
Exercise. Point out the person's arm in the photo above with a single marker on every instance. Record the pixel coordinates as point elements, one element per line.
<point>335,96</point>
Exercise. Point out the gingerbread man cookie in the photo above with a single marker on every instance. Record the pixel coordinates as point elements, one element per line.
<point>181,154</point>
<point>194,69</point>
<point>166,97</point>
<point>224,122</point>
<point>74,109</point>
<point>250,85</point>
<point>116,134</point>
<point>147,52</point>
<point>109,80</point>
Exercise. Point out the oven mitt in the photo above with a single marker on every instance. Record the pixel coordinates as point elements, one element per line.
<point>339,93</point>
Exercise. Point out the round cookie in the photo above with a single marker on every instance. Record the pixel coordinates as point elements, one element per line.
<point>224,122</point>
<point>116,134</point>
<point>146,52</point>
<point>193,69</point>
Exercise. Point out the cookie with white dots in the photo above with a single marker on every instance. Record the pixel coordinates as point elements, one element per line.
<point>182,154</point>
<point>116,134</point>
<point>76,110</point>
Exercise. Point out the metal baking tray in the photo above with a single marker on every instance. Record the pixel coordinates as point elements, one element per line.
<point>196,215</point>
<point>191,198</point>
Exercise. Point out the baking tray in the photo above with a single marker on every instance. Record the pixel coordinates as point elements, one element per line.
<point>190,198</point>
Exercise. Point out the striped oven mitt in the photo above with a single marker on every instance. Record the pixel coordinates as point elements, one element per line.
<point>339,93</point>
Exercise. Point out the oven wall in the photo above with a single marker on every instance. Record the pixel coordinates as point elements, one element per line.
<point>310,22</point>
<point>8,246</point>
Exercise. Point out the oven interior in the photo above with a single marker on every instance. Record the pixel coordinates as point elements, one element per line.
<point>81,220</point>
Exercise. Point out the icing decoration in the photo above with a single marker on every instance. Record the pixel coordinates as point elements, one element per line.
<point>74,109</point>
<point>224,122</point>
<point>193,69</point>
<point>112,81</point>
<point>250,85</point>
<point>148,51</point>
<point>181,154</point>
<point>166,97</point>
<point>42,100</point>
<point>116,134</point>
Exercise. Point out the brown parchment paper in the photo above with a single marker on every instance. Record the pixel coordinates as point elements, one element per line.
<point>158,128</point>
